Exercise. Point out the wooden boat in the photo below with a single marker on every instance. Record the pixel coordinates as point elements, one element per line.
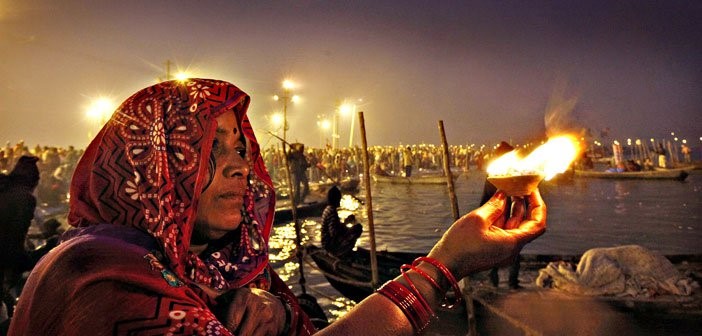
<point>348,185</point>
<point>414,179</point>
<point>352,276</point>
<point>283,213</point>
<point>679,174</point>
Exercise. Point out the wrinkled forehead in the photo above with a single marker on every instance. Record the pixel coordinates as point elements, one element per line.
<point>228,122</point>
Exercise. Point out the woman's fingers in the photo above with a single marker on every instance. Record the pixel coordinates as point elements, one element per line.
<point>517,213</point>
<point>493,209</point>
<point>535,222</point>
<point>236,313</point>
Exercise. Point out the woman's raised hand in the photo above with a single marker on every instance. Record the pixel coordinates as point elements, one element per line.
<point>485,238</point>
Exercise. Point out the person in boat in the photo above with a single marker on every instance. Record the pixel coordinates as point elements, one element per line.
<point>337,238</point>
<point>173,207</point>
<point>685,150</point>
<point>632,166</point>
<point>661,155</point>
<point>379,168</point>
<point>298,168</point>
<point>618,168</point>
<point>585,162</point>
<point>488,191</point>
<point>648,164</point>
<point>407,161</point>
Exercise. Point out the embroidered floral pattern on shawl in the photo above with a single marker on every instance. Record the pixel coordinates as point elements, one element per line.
<point>146,169</point>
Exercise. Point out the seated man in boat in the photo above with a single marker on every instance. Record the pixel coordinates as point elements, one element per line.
<point>619,168</point>
<point>632,166</point>
<point>379,169</point>
<point>337,238</point>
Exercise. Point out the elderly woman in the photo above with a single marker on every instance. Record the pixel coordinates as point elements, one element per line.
<point>173,208</point>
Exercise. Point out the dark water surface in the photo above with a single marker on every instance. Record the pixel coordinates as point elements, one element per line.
<point>582,214</point>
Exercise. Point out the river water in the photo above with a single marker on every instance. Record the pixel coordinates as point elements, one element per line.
<point>582,214</point>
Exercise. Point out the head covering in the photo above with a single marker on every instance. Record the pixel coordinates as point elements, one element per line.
<point>146,169</point>
<point>334,196</point>
<point>26,172</point>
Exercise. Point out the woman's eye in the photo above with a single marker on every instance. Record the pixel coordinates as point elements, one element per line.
<point>216,147</point>
<point>241,151</point>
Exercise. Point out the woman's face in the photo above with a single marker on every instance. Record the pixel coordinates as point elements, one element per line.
<point>221,203</point>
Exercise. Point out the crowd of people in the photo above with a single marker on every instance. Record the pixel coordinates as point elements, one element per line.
<point>56,165</point>
<point>338,163</point>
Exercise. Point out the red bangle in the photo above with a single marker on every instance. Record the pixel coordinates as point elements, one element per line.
<point>408,302</point>
<point>419,295</point>
<point>447,302</point>
<point>445,271</point>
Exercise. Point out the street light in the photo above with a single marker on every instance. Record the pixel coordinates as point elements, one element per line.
<point>182,76</point>
<point>277,120</point>
<point>99,111</point>
<point>288,85</point>
<point>324,125</point>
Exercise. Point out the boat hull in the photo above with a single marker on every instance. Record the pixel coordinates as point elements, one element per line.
<point>419,179</point>
<point>668,174</point>
<point>308,209</point>
<point>352,276</point>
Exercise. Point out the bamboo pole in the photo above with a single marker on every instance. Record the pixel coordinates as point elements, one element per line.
<point>369,201</point>
<point>470,308</point>
<point>447,171</point>
<point>298,229</point>
<point>676,150</point>
<point>670,154</point>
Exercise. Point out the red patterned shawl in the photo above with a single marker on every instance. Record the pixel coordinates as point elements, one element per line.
<point>133,194</point>
<point>146,169</point>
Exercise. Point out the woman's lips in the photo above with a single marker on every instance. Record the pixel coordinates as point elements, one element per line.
<point>233,198</point>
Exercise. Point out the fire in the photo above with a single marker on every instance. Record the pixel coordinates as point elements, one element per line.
<point>547,160</point>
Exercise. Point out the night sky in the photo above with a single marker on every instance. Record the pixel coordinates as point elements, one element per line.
<point>491,70</point>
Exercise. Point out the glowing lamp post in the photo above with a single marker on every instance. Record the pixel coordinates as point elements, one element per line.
<point>287,97</point>
<point>324,125</point>
<point>277,121</point>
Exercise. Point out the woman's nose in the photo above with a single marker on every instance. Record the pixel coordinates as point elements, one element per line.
<point>236,166</point>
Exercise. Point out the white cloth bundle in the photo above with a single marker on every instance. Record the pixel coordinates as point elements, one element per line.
<point>630,270</point>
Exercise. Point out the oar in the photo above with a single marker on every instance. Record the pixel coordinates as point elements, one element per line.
<point>369,202</point>
<point>470,309</point>
<point>307,301</point>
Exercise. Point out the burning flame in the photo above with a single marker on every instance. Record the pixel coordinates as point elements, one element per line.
<point>547,160</point>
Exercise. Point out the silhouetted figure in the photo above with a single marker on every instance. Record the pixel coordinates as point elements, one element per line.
<point>298,169</point>
<point>338,239</point>
<point>407,161</point>
<point>17,206</point>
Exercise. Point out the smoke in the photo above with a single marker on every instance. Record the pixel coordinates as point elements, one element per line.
<point>559,116</point>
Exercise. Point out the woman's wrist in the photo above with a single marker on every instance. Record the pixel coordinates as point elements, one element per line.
<point>432,294</point>
<point>421,289</point>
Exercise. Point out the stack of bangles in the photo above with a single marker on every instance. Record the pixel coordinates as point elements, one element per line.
<point>411,301</point>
